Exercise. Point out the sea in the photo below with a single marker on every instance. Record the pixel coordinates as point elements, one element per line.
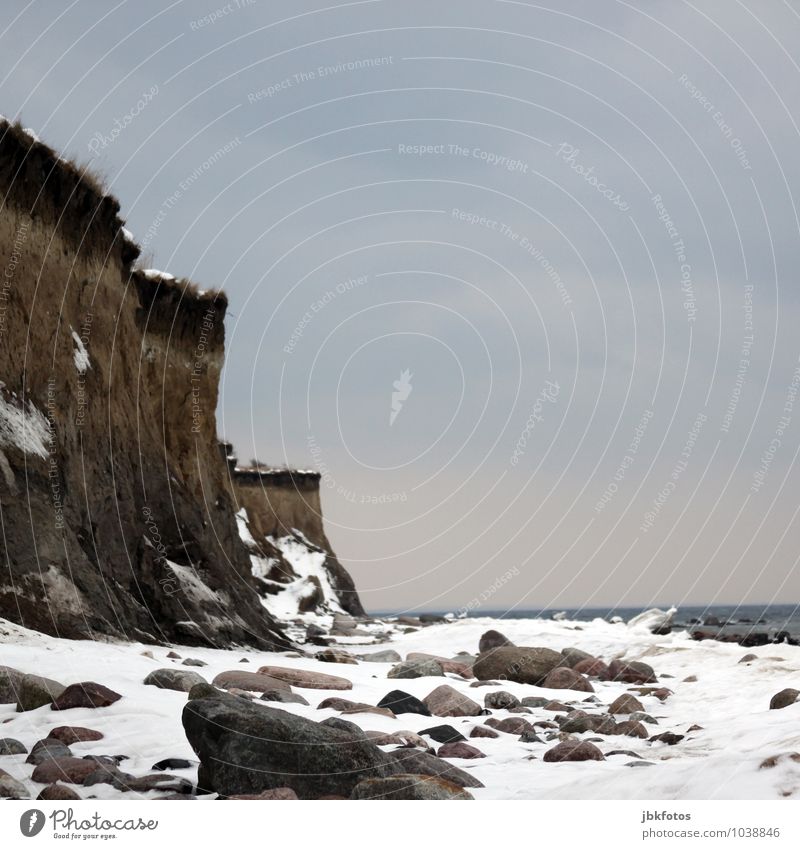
<point>719,618</point>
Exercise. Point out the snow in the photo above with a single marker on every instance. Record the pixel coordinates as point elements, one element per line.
<point>653,619</point>
<point>126,233</point>
<point>29,132</point>
<point>192,585</point>
<point>155,274</point>
<point>729,700</point>
<point>307,561</point>
<point>244,530</point>
<point>81,355</point>
<point>24,428</point>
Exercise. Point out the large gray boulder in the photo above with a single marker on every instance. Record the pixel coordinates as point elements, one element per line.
<point>523,665</point>
<point>9,684</point>
<point>245,748</point>
<point>34,692</point>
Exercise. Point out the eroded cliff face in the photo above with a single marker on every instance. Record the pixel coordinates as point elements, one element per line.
<point>117,516</point>
<point>280,518</point>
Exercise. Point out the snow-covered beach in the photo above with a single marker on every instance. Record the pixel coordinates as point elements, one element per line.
<point>723,758</point>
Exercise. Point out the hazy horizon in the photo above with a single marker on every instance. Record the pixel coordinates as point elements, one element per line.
<point>517,280</point>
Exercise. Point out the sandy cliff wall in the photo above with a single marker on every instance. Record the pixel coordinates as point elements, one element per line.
<point>115,506</point>
<point>283,508</point>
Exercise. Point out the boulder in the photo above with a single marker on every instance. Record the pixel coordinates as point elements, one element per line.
<point>305,679</point>
<point>408,739</point>
<point>87,694</point>
<point>58,793</point>
<point>335,656</point>
<point>523,665</point>
<point>246,748</point>
<point>572,656</point>
<point>386,656</point>
<point>555,706</point>
<point>416,669</point>
<point>578,721</point>
<point>626,703</point>
<point>564,678</point>
<point>69,734</point>
<point>443,734</point>
<point>193,661</point>
<point>284,794</point>
<point>251,681</point>
<point>284,696</point>
<point>10,788</point>
<point>483,731</point>
<point>632,728</point>
<point>459,750</point>
<point>492,640</point>
<point>783,699</point>
<point>501,700</point>
<point>511,725</point>
<point>399,702</point>
<point>34,692</point>
<point>631,672</point>
<point>593,669</point>
<point>417,762</point>
<point>181,680</point>
<point>749,658</point>
<point>47,749</point>
<point>534,701</point>
<point>409,787</point>
<point>10,746</point>
<point>447,701</point>
<point>9,684</point>
<point>573,750</point>
<point>455,666</point>
<point>668,738</point>
<point>69,770</point>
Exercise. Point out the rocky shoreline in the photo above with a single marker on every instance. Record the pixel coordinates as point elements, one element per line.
<point>389,709</point>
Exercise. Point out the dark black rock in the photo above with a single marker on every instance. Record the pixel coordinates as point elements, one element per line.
<point>399,702</point>
<point>171,763</point>
<point>444,734</point>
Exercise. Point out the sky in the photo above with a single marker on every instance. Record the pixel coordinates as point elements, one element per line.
<point>519,279</point>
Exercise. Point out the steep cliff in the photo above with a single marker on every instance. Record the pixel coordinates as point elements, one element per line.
<point>115,505</point>
<point>280,520</point>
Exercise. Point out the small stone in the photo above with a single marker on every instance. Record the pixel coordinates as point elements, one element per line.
<point>626,752</point>
<point>9,746</point>
<point>387,656</point>
<point>626,703</point>
<point>593,668</point>
<point>252,681</point>
<point>47,749</point>
<point>173,655</point>
<point>35,692</point>
<point>69,770</point>
<point>501,700</point>
<point>631,672</point>
<point>171,763</point>
<point>416,669</point>
<point>639,716</point>
<point>336,656</point>
<point>667,737</point>
<point>492,640</point>
<point>534,701</point>
<point>483,731</point>
<point>773,760</point>
<point>510,725</point>
<point>640,763</point>
<point>69,734</point>
<point>530,737</point>
<point>304,679</point>
<point>631,728</point>
<point>193,661</point>
<point>447,701</point>
<point>749,658</point>
<point>459,750</point>
<point>444,734</point>
<point>399,702</point>
<point>58,793</point>
<point>783,699</point>
<point>564,678</point>
<point>690,679</point>
<point>573,750</point>
<point>181,680</point>
<point>284,794</point>
<point>694,728</point>
<point>10,788</point>
<point>87,694</point>
<point>555,706</point>
<point>283,696</point>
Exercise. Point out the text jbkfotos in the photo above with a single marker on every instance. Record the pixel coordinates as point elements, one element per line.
<point>569,154</point>
<point>101,141</point>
